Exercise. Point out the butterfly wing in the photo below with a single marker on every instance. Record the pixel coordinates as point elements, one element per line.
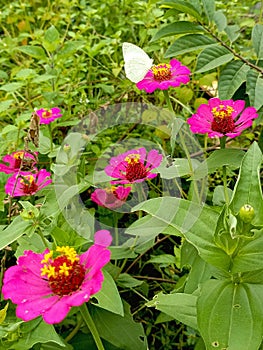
<point>136,62</point>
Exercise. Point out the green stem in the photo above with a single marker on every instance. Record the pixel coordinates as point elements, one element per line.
<point>170,107</point>
<point>116,230</point>
<point>91,325</point>
<point>50,137</point>
<point>40,233</point>
<point>222,146</point>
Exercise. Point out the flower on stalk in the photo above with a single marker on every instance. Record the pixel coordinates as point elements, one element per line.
<point>50,283</point>
<point>164,75</point>
<point>111,198</point>
<point>15,159</point>
<point>46,116</point>
<point>133,166</point>
<point>222,118</point>
<point>25,183</point>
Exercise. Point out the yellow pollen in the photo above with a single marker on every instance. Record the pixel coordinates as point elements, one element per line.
<point>18,155</point>
<point>222,111</point>
<point>132,158</point>
<point>47,257</point>
<point>64,269</point>
<point>46,113</point>
<point>161,68</point>
<point>69,252</point>
<point>48,271</point>
<point>27,179</point>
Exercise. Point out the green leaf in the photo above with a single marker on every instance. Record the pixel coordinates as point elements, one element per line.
<point>182,27</point>
<point>71,47</point>
<point>33,51</point>
<point>228,156</point>
<point>108,297</point>
<point>4,105</point>
<point>231,78</point>
<point>180,306</point>
<point>189,43</point>
<point>257,40</point>
<point>233,32</point>
<point>220,20</point>
<point>230,315</point>
<point>196,223</point>
<point>122,332</point>
<point>11,87</point>
<point>13,231</point>
<point>51,39</point>
<point>127,281</point>
<point>182,6</point>
<point>209,7</point>
<point>212,57</point>
<point>248,187</point>
<point>255,88</point>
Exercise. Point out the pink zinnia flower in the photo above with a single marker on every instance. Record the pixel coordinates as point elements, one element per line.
<point>50,283</point>
<point>164,75</point>
<point>133,166</point>
<point>222,118</point>
<point>111,198</point>
<point>47,116</point>
<point>26,183</point>
<point>14,159</point>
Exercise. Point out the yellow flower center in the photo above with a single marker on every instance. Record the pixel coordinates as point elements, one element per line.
<point>162,72</point>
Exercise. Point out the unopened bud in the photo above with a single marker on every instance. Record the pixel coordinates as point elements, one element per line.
<point>67,147</point>
<point>27,214</point>
<point>247,213</point>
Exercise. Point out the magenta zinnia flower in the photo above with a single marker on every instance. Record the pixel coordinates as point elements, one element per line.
<point>26,183</point>
<point>14,160</point>
<point>133,166</point>
<point>50,283</point>
<point>164,75</point>
<point>222,118</point>
<point>111,198</point>
<point>47,116</point>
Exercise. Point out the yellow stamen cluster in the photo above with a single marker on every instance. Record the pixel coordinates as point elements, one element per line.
<point>132,158</point>
<point>161,68</point>
<point>27,179</point>
<point>222,111</point>
<point>46,114</point>
<point>18,155</point>
<point>67,256</point>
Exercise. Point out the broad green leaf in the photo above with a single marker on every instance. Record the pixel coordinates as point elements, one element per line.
<point>11,87</point>
<point>179,167</point>
<point>122,332</point>
<point>255,88</point>
<point>33,51</point>
<point>26,73</point>
<point>248,188</point>
<point>4,105</point>
<point>212,57</point>
<point>233,32</point>
<point>180,306</point>
<point>182,27</point>
<point>13,231</point>
<point>182,6</point>
<point>108,297</point>
<point>209,8</point>
<point>70,47</point>
<point>173,215</point>
<point>51,39</point>
<point>189,43</point>
<point>127,281</point>
<point>228,156</point>
<point>230,315</point>
<point>231,78</point>
<point>220,20</point>
<point>257,40</point>
<point>200,271</point>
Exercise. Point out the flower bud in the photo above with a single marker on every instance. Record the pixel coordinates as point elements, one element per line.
<point>247,213</point>
<point>66,147</point>
<point>27,214</point>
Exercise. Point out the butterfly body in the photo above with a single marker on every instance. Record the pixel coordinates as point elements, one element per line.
<point>136,62</point>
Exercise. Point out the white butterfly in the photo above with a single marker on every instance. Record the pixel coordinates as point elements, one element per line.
<point>136,62</point>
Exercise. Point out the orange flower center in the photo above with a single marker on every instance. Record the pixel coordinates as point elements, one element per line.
<point>223,121</point>
<point>162,72</point>
<point>63,271</point>
<point>28,184</point>
<point>46,114</point>
<point>18,157</point>
<point>135,169</point>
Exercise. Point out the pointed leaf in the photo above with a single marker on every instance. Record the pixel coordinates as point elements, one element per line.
<point>233,32</point>
<point>13,231</point>
<point>180,306</point>
<point>212,57</point>
<point>182,27</point>
<point>230,315</point>
<point>231,78</point>
<point>220,20</point>
<point>257,40</point>
<point>255,88</point>
<point>189,43</point>
<point>33,51</point>
<point>248,187</point>
<point>182,6</point>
